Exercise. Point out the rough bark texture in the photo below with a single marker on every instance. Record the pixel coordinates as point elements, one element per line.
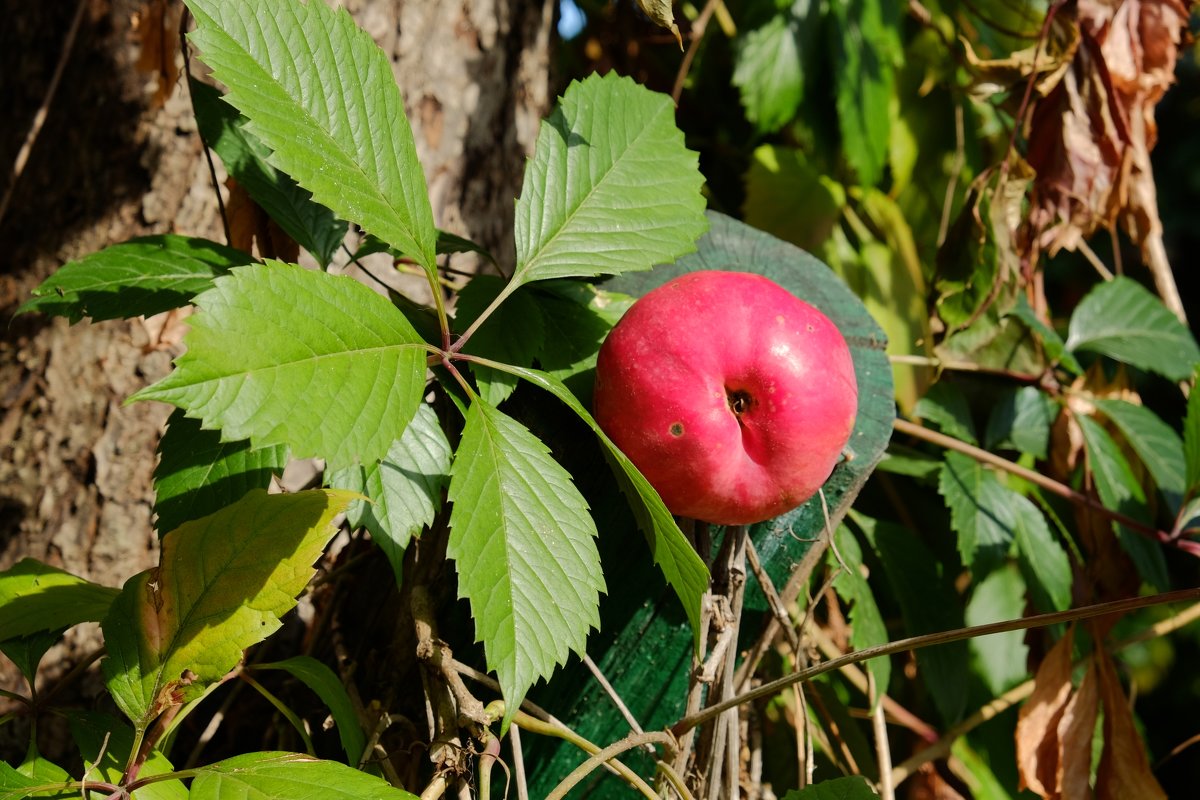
<point>76,465</point>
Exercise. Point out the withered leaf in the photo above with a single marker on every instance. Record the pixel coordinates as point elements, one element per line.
<point>1075,731</point>
<point>1124,769</point>
<point>659,12</point>
<point>1038,722</point>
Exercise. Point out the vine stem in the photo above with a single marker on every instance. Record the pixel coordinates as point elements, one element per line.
<point>1047,483</point>
<point>941,748</point>
<point>927,640</point>
<point>628,743</point>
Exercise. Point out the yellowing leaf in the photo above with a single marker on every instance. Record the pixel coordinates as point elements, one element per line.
<point>221,585</point>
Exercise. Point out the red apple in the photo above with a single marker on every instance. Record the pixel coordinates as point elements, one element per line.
<point>734,397</point>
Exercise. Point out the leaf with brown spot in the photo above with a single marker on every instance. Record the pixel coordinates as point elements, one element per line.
<point>1038,723</point>
<point>1124,769</point>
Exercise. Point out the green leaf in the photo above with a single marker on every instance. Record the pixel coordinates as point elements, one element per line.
<point>928,604</point>
<point>610,188</point>
<point>788,198</point>
<point>578,317</point>
<point>1191,437</point>
<point>769,65</point>
<point>976,500</point>
<point>1055,348</point>
<point>288,776</point>
<point>525,551</point>
<point>198,473</point>
<point>404,489</point>
<point>327,686</point>
<point>1156,444</point>
<point>1021,420</point>
<point>105,742</point>
<point>15,786</point>
<point>221,585</point>
<point>1042,559</point>
<point>321,95</point>
<point>1119,490</point>
<point>513,334</point>
<point>281,355</point>
<point>681,566</point>
<point>863,78</point>
<point>999,658</point>
<point>140,277</point>
<point>866,623</point>
<point>945,405</point>
<point>26,652</point>
<point>35,597</point>
<point>1124,321</point>
<point>854,787</point>
<point>310,224</point>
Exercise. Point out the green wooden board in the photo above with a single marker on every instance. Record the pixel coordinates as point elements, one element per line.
<point>644,645</point>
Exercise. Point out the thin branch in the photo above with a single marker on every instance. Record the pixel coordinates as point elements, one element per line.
<point>699,27</point>
<point>1095,261</point>
<point>212,168</point>
<point>1045,482</point>
<point>928,640</point>
<point>941,748</point>
<point>612,751</point>
<point>612,693</point>
<point>960,156</point>
<point>883,752</point>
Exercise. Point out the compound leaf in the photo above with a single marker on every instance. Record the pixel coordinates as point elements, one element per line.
<point>525,550</point>
<point>320,94</point>
<point>281,355</point>
<point>404,488</point>
<point>1124,321</point>
<point>288,776</point>
<point>140,277</point>
<point>610,188</point>
<point>198,473</point>
<point>221,586</point>
<point>312,225</point>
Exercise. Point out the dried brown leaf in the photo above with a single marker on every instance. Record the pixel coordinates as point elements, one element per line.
<point>1038,723</point>
<point>156,25</point>
<point>251,230</point>
<point>1075,731</point>
<point>1124,769</point>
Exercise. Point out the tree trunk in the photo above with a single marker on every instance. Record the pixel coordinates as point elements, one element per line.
<point>110,163</point>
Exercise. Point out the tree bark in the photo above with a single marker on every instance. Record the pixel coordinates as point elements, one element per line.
<point>75,463</point>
